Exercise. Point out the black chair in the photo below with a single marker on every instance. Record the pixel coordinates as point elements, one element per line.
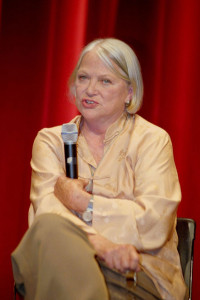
<point>17,295</point>
<point>186,234</point>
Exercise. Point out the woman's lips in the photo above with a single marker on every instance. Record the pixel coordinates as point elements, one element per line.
<point>89,103</point>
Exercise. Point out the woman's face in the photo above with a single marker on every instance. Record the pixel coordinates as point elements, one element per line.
<point>100,94</point>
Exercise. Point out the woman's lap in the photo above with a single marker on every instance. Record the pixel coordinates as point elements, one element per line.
<point>55,260</point>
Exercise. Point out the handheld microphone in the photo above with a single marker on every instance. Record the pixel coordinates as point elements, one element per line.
<point>69,134</point>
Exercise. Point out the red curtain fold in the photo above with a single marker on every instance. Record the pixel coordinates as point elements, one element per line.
<point>0,12</point>
<point>40,43</point>
<point>66,37</point>
<point>102,17</point>
<point>107,17</point>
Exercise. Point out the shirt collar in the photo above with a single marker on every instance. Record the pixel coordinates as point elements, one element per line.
<point>115,128</point>
<point>113,131</point>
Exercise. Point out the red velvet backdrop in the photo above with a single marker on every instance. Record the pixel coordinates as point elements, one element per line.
<point>40,42</point>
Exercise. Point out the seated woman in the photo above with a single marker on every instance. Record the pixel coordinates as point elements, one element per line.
<point>126,174</point>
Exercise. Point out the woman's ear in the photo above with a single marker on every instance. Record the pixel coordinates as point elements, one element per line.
<point>129,96</point>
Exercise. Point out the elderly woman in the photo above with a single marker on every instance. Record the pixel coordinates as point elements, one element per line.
<point>126,175</point>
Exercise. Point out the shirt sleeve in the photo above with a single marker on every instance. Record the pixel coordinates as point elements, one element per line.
<point>47,165</point>
<point>148,220</point>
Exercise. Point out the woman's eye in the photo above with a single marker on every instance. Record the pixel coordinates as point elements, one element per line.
<point>106,81</point>
<point>82,77</point>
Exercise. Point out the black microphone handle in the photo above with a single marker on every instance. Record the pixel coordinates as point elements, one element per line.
<point>71,160</point>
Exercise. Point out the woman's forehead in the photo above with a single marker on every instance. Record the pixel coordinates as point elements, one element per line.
<point>91,61</point>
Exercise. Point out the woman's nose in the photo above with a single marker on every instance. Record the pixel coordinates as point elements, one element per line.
<point>92,87</point>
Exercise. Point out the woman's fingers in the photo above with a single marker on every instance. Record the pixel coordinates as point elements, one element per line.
<point>123,258</point>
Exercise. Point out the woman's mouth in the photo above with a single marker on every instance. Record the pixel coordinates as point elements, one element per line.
<point>88,103</point>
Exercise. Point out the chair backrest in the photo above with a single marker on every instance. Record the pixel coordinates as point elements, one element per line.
<point>186,234</point>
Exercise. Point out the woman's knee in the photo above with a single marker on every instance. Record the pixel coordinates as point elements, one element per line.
<point>54,231</point>
<point>59,251</point>
<point>52,226</point>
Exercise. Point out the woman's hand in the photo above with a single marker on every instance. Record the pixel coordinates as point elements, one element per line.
<point>71,192</point>
<point>122,257</point>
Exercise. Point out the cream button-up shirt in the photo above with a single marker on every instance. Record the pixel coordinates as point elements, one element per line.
<point>136,192</point>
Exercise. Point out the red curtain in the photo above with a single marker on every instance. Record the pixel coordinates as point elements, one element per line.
<point>40,42</point>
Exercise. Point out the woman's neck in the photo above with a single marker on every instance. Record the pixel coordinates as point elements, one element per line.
<point>95,139</point>
<point>92,129</point>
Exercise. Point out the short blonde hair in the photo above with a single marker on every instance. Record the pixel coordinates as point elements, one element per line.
<point>113,50</point>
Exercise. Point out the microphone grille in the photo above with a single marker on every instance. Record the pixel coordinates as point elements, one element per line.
<point>69,133</point>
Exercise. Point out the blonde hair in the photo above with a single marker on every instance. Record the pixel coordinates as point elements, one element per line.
<point>112,50</point>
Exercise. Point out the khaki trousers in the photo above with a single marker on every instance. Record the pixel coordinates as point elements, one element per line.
<point>55,261</point>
